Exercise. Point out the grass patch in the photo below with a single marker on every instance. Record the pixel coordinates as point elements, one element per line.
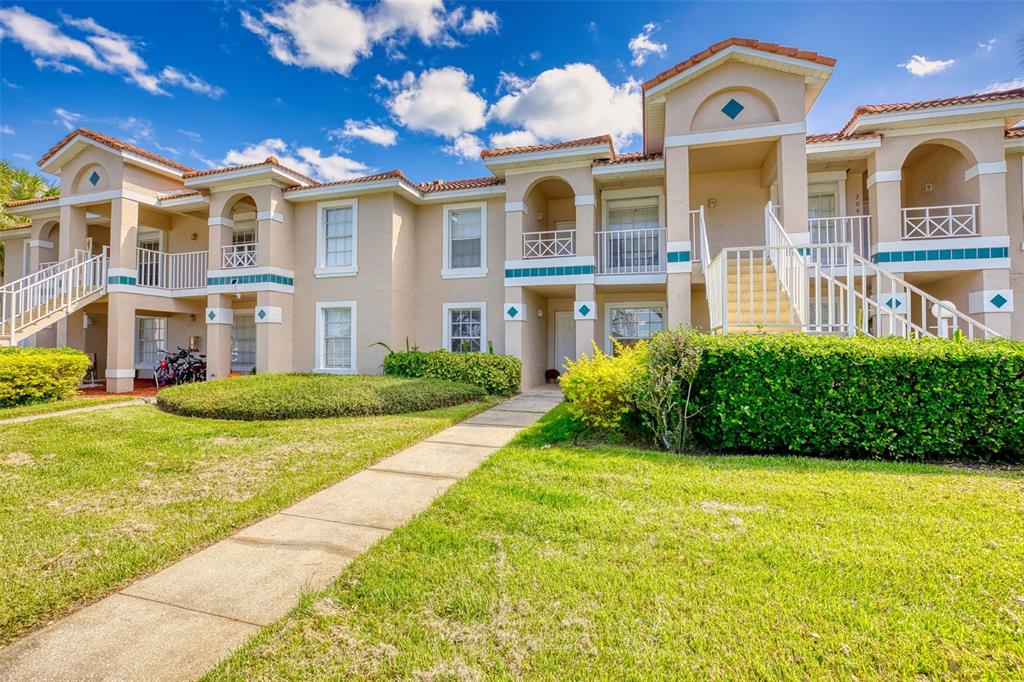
<point>90,502</point>
<point>300,396</point>
<point>555,561</point>
<point>57,406</point>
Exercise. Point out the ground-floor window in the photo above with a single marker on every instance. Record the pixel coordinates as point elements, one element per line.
<point>628,323</point>
<point>336,336</point>
<point>150,341</point>
<point>243,342</point>
<point>464,327</point>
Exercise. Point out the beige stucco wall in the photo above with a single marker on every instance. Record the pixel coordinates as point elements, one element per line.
<point>943,167</point>
<point>738,217</point>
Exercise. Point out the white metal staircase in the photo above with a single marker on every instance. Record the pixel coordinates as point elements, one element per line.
<point>32,303</point>
<point>820,289</point>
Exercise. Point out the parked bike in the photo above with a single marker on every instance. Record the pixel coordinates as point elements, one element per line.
<point>178,368</point>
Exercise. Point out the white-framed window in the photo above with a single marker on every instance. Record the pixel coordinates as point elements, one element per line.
<point>465,327</point>
<point>337,238</point>
<point>150,341</point>
<point>336,337</point>
<point>629,322</point>
<point>641,213</point>
<point>465,240</point>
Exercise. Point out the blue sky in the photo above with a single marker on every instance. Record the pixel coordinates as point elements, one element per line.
<point>340,90</point>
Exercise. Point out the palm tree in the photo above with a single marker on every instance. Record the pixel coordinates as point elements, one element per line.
<point>19,183</point>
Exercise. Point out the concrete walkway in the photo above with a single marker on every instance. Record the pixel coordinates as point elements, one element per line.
<point>180,622</point>
<point>76,410</point>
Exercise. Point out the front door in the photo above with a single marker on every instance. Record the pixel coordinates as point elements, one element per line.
<point>565,338</point>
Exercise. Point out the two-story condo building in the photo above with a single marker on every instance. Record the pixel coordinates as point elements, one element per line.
<point>908,221</point>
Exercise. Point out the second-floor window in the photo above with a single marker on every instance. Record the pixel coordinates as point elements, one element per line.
<point>337,238</point>
<point>633,214</point>
<point>465,236</point>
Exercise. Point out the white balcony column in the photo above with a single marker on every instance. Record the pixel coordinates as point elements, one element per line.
<point>272,233</point>
<point>677,193</point>
<point>120,361</point>
<point>885,200</point>
<point>586,207</point>
<point>992,214</point>
<point>584,311</point>
<point>791,162</point>
<point>677,293</point>
<point>220,236</point>
<point>273,315</point>
<point>124,233</point>
<point>991,300</point>
<point>219,318</point>
<point>73,231</point>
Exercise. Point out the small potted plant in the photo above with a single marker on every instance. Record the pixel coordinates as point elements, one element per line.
<point>551,376</point>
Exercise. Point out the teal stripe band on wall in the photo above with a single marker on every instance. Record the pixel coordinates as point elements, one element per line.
<point>918,256</point>
<point>558,271</point>
<point>250,279</point>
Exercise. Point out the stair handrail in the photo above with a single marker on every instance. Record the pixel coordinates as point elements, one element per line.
<point>926,303</point>
<point>705,250</point>
<point>40,273</point>
<point>789,264</point>
<point>30,302</point>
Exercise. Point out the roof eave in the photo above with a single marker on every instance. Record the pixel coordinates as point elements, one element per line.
<point>583,154</point>
<point>248,176</point>
<point>70,149</point>
<point>1004,110</point>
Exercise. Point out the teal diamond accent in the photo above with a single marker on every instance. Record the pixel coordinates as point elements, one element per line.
<point>210,315</point>
<point>732,109</point>
<point>262,314</point>
<point>512,311</point>
<point>999,300</point>
<point>94,178</point>
<point>584,310</point>
<point>894,303</point>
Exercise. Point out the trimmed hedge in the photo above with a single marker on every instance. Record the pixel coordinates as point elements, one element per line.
<point>496,374</point>
<point>860,397</point>
<point>299,396</point>
<point>38,375</point>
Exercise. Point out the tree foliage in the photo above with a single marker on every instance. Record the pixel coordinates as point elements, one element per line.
<point>19,183</point>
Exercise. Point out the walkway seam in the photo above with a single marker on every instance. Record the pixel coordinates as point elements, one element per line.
<point>186,608</point>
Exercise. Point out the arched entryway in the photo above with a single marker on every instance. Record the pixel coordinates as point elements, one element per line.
<point>938,201</point>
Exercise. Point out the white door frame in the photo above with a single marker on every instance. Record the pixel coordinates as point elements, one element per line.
<point>559,360</point>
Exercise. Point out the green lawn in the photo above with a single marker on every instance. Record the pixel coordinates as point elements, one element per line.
<point>90,502</point>
<point>567,562</point>
<point>58,406</point>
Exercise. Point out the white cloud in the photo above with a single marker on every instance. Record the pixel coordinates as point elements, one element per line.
<point>190,81</point>
<point>513,138</point>
<point>99,48</point>
<point>480,21</point>
<point>572,102</point>
<point>440,101</point>
<point>465,146</point>
<point>999,86</point>
<point>988,45</point>
<point>68,119</point>
<point>191,134</point>
<point>535,55</point>
<point>642,46</point>
<point>365,130</point>
<point>922,66</point>
<point>334,35</point>
<point>6,130</point>
<point>304,159</point>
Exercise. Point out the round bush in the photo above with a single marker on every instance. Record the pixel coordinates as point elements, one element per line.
<point>299,396</point>
<point>39,375</point>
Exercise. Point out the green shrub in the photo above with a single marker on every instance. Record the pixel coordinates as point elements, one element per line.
<point>664,392</point>
<point>496,374</point>
<point>297,396</point>
<point>37,375</point>
<point>845,397</point>
<point>599,389</point>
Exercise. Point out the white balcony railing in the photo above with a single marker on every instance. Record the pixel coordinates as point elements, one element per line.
<point>175,271</point>
<point>238,256</point>
<point>549,244</point>
<point>853,229</point>
<point>631,252</point>
<point>698,237</point>
<point>937,222</point>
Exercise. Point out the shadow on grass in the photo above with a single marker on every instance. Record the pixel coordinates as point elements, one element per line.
<point>558,430</point>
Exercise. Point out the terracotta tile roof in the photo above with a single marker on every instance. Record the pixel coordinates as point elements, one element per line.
<point>269,161</point>
<point>835,137</point>
<point>978,98</point>
<point>632,157</point>
<point>449,185</point>
<point>1015,132</point>
<point>180,193</point>
<point>28,202</point>
<point>19,226</point>
<point>113,143</point>
<point>568,144</point>
<point>772,48</point>
<point>366,178</point>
